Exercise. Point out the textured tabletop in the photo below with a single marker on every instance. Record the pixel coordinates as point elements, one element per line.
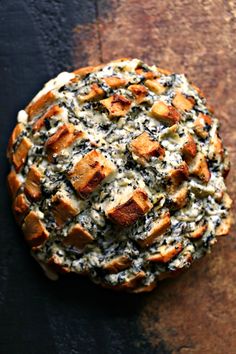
<point>192,314</point>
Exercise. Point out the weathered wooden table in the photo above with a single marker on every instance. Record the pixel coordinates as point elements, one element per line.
<point>192,314</point>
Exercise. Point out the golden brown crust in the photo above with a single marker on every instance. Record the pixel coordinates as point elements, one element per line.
<point>14,183</point>
<point>199,168</point>
<point>89,173</point>
<point>144,147</point>
<point>166,253</point>
<point>82,72</point>
<point>52,111</point>
<point>64,137</point>
<point>117,105</point>
<point>139,92</point>
<point>62,209</point>
<point>155,86</point>
<point>32,183</point>
<point>37,106</point>
<point>117,264</point>
<point>95,94</point>
<point>129,212</point>
<point>34,231</point>
<point>166,114</point>
<point>159,228</point>
<point>78,237</point>
<point>182,103</point>
<point>20,207</point>
<point>20,155</point>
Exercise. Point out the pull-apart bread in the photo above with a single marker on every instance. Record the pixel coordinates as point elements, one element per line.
<point>118,173</point>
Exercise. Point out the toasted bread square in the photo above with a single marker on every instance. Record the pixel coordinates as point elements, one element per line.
<point>16,132</point>
<point>166,253</point>
<point>139,92</point>
<point>117,105</point>
<point>14,183</point>
<point>146,74</point>
<point>52,111</point>
<point>218,147</point>
<point>178,175</point>
<point>129,212</point>
<point>32,183</point>
<point>199,232</point>
<point>189,149</point>
<point>115,82</point>
<point>20,155</point>
<point>199,168</point>
<point>64,137</point>
<point>78,237</point>
<point>200,125</point>
<point>155,86</point>
<point>164,113</point>
<point>37,106</point>
<point>89,173</point>
<point>34,231</point>
<point>182,103</point>
<point>56,264</point>
<point>117,264</point>
<point>159,228</point>
<point>62,208</point>
<point>20,207</point>
<point>95,94</point>
<point>179,198</point>
<point>132,282</point>
<point>144,147</point>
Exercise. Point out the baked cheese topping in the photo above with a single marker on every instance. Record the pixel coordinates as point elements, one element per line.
<point>118,173</point>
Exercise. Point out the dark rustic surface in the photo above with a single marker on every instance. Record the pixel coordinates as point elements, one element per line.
<point>192,314</point>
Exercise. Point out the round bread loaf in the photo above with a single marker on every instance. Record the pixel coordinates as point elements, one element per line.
<point>118,173</point>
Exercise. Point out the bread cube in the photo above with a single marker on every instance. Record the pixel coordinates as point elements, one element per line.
<point>164,113</point>
<point>129,212</point>
<point>88,174</point>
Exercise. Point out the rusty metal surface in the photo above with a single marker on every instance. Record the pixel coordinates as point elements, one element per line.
<point>192,314</point>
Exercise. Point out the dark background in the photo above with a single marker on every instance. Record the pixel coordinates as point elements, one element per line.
<point>193,314</point>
